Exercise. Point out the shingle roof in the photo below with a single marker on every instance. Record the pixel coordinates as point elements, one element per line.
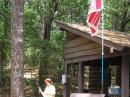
<point>110,35</point>
<point>116,38</point>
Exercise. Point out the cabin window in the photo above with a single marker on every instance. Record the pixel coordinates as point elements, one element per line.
<point>92,77</point>
<point>115,75</point>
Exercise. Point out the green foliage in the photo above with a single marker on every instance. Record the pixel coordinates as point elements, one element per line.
<point>31,31</point>
<point>73,10</point>
<point>5,18</point>
<point>5,31</point>
<point>49,53</point>
<point>114,12</point>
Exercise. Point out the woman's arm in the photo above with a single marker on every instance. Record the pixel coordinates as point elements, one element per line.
<point>40,91</point>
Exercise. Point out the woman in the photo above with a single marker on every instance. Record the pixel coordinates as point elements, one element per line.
<point>50,90</point>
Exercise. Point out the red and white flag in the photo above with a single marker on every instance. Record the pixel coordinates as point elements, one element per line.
<point>94,15</point>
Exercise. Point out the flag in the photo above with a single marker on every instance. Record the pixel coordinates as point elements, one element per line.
<point>94,15</point>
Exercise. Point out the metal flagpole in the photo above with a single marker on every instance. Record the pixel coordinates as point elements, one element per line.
<point>93,22</point>
<point>102,82</point>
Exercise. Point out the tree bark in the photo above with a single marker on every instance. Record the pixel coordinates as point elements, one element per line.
<point>46,21</point>
<point>17,89</point>
<point>1,64</point>
<point>2,61</point>
<point>126,16</point>
<point>42,31</point>
<point>45,32</point>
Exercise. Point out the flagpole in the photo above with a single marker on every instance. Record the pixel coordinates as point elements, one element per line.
<point>94,16</point>
<point>102,82</point>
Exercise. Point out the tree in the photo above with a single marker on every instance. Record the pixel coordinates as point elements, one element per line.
<point>47,14</point>
<point>5,17</point>
<point>126,15</point>
<point>17,89</point>
<point>117,14</point>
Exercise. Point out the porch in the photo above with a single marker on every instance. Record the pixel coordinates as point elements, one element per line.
<point>85,77</point>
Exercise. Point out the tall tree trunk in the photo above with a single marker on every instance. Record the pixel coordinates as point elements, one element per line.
<point>17,89</point>
<point>1,64</point>
<point>42,19</point>
<point>126,15</point>
<point>45,32</point>
<point>2,61</point>
<point>46,21</point>
<point>43,60</point>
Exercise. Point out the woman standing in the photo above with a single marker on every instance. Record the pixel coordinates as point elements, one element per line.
<point>50,90</point>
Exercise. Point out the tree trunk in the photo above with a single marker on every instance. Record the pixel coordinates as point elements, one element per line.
<point>2,60</point>
<point>42,19</point>
<point>43,60</point>
<point>46,21</point>
<point>17,89</point>
<point>1,65</point>
<point>126,16</point>
<point>45,32</point>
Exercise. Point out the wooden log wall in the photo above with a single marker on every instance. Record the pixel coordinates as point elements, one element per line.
<point>81,47</point>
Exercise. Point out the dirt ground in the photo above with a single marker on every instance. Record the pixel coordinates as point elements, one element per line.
<point>4,93</point>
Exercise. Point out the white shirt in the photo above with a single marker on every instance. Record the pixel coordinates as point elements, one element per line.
<point>50,91</point>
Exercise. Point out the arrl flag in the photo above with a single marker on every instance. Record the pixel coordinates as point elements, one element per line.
<point>94,15</point>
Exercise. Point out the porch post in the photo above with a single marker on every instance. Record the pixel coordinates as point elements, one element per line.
<point>66,84</point>
<point>80,78</point>
<point>125,75</point>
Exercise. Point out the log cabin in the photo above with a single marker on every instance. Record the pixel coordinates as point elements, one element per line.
<point>82,60</point>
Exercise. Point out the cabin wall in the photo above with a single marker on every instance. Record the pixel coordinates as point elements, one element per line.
<point>81,47</point>
<point>78,48</point>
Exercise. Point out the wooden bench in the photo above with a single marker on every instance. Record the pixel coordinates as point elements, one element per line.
<point>86,95</point>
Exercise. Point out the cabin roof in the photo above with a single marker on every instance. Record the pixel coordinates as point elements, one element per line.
<point>117,40</point>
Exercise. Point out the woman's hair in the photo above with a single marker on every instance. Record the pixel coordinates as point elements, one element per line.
<point>49,80</point>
